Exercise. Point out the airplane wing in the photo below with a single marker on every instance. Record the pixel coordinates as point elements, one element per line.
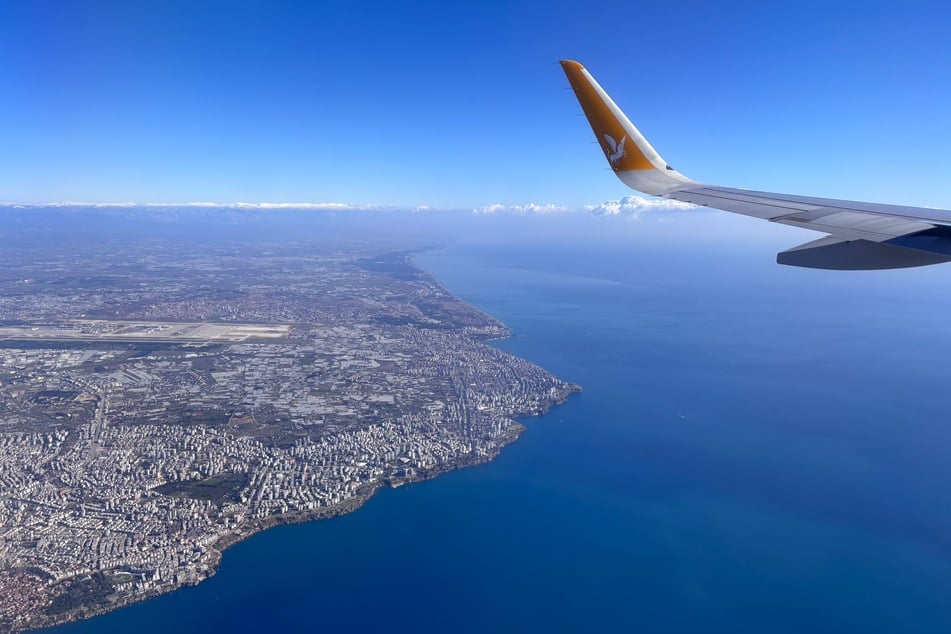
<point>860,235</point>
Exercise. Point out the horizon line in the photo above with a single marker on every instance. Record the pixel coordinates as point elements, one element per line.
<point>628,205</point>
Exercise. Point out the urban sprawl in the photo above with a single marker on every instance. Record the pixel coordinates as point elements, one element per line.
<point>159,402</point>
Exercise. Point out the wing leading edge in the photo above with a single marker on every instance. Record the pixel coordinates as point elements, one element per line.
<point>861,235</point>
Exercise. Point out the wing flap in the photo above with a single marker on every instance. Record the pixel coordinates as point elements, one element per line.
<point>854,225</point>
<point>842,221</point>
<point>746,203</point>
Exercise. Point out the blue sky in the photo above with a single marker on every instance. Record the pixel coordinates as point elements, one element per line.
<point>461,105</point>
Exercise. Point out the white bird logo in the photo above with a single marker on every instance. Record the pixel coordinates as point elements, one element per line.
<point>617,149</point>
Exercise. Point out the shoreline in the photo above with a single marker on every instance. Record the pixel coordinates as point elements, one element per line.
<point>363,493</point>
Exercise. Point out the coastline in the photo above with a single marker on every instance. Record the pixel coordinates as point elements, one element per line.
<point>618,502</point>
<point>363,493</point>
<point>350,505</point>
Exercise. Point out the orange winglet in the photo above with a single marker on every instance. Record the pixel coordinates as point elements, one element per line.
<point>607,121</point>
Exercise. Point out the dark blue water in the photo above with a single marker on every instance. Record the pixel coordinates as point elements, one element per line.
<point>758,448</point>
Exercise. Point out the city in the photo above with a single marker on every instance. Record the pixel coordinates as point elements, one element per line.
<point>159,403</point>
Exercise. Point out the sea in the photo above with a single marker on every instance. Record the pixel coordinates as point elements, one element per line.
<point>757,449</point>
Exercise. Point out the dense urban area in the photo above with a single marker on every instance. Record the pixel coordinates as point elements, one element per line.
<point>161,399</point>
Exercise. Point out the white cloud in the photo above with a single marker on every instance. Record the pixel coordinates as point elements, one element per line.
<point>635,206</point>
<point>631,206</point>
<point>201,205</point>
<point>70,204</point>
<point>317,206</point>
<point>530,208</point>
<point>490,209</point>
<point>208,205</point>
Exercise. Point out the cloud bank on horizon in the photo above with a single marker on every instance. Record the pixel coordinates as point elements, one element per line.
<point>628,206</point>
<point>197,205</point>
